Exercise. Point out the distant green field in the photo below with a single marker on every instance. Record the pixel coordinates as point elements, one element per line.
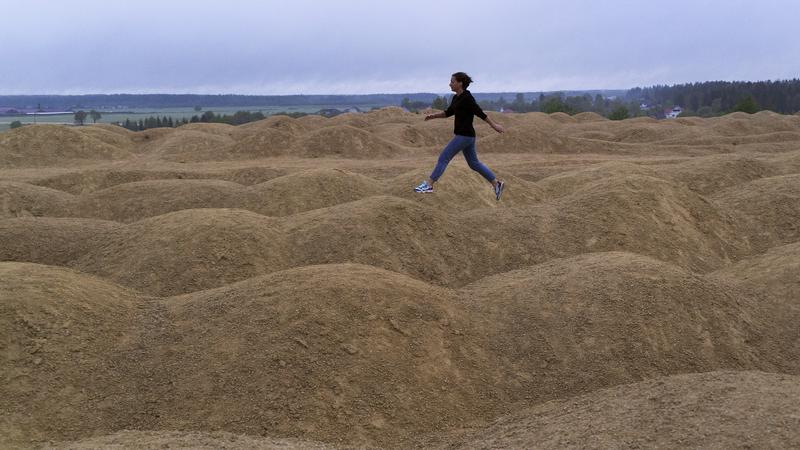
<point>175,113</point>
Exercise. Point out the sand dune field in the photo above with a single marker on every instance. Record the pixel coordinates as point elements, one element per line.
<point>279,285</point>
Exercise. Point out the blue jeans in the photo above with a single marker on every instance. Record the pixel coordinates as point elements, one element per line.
<point>467,145</point>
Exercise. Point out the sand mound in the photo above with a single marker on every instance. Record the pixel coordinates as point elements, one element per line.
<point>220,129</point>
<point>742,124</point>
<point>149,140</point>
<point>262,143</point>
<point>578,324</point>
<point>23,199</point>
<point>690,121</point>
<point>347,142</point>
<point>253,175</point>
<point>771,207</point>
<point>775,273</point>
<point>415,135</point>
<point>116,129</point>
<point>561,117</point>
<point>589,117</point>
<point>573,145</point>
<point>131,202</point>
<point>709,410</point>
<point>61,331</point>
<point>355,120</point>
<point>598,135</point>
<point>522,140</point>
<point>635,120</point>
<point>277,122</point>
<point>109,135</point>
<point>392,114</point>
<point>766,138</point>
<point>332,353</point>
<point>315,296</point>
<point>310,189</point>
<point>187,251</point>
<point>48,240</point>
<point>42,145</point>
<point>87,181</point>
<point>786,163</point>
<point>218,440</point>
<point>538,120</point>
<point>568,182</point>
<point>709,174</point>
<point>635,213</point>
<point>152,134</point>
<point>625,131</point>
<point>642,133</point>
<point>660,219</point>
<point>188,145</point>
<point>391,233</point>
<point>312,121</point>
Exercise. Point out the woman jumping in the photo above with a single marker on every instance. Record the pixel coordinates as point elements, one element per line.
<point>464,107</point>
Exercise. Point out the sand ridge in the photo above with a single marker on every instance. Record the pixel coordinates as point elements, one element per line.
<point>279,284</point>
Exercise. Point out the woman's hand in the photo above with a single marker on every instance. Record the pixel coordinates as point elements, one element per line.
<point>430,116</point>
<point>497,127</point>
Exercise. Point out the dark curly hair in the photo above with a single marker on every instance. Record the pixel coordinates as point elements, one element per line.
<point>463,78</point>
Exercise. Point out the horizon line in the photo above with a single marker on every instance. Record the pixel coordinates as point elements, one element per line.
<point>315,94</point>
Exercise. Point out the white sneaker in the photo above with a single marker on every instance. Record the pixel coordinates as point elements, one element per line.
<point>498,190</point>
<point>424,187</point>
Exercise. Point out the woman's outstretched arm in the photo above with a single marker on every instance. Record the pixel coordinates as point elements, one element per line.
<point>440,115</point>
<point>496,126</point>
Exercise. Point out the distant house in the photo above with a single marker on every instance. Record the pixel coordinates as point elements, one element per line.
<point>329,112</point>
<point>673,113</point>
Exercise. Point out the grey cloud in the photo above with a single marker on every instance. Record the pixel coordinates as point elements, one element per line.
<point>360,46</point>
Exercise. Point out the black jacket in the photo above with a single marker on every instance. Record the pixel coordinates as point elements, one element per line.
<point>465,108</point>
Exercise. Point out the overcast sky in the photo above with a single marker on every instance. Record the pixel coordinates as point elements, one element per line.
<point>374,46</point>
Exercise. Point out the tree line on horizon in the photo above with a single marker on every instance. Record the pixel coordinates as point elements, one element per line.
<point>705,99</point>
<point>708,99</point>
<point>238,118</point>
<point>719,97</point>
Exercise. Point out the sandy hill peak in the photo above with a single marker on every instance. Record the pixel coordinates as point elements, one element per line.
<point>221,246</point>
<point>332,352</point>
<point>61,331</point>
<point>23,200</point>
<point>589,117</point>
<point>346,141</point>
<point>49,240</point>
<point>770,208</point>
<point>91,180</point>
<point>717,409</point>
<point>192,145</point>
<point>578,324</point>
<point>42,145</point>
<point>130,202</point>
<point>635,213</point>
<point>310,189</point>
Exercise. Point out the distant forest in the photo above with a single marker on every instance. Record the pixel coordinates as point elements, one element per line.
<point>714,97</point>
<point>696,99</point>
<point>706,99</point>
<point>157,101</point>
<point>239,118</point>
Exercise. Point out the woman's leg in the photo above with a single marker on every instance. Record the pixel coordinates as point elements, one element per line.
<point>471,155</point>
<point>454,146</point>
